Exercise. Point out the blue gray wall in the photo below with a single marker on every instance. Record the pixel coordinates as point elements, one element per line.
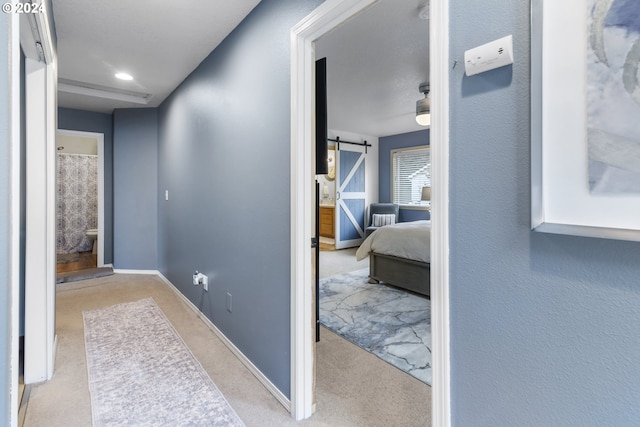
<point>135,207</point>
<point>544,328</point>
<point>393,142</point>
<point>88,121</point>
<point>224,158</point>
<point>5,224</point>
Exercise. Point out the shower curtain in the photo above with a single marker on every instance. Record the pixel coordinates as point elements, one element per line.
<point>77,201</point>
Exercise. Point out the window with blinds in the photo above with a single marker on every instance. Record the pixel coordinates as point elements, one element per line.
<point>410,172</point>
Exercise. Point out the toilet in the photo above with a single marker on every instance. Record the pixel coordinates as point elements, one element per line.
<point>92,234</point>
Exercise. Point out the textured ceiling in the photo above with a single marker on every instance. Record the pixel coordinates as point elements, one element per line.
<point>375,64</point>
<point>376,61</point>
<point>158,42</point>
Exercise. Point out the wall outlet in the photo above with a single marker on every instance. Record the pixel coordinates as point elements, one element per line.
<point>228,302</point>
<point>201,279</point>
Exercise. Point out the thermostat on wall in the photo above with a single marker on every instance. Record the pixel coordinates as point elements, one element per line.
<point>495,54</point>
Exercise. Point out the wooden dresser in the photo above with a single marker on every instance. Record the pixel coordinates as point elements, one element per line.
<point>326,221</point>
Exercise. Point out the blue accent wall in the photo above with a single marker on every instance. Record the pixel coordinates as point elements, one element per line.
<point>135,207</point>
<point>88,121</point>
<point>544,328</point>
<point>393,142</point>
<point>224,149</point>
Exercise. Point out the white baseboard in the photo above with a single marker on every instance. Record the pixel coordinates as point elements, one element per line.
<point>280,397</point>
<point>125,271</point>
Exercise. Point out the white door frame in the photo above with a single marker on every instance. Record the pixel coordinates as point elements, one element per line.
<point>439,137</point>
<point>100,138</point>
<point>303,36</point>
<point>40,239</point>
<point>14,107</point>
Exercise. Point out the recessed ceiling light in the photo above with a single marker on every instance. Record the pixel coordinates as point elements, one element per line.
<point>124,76</point>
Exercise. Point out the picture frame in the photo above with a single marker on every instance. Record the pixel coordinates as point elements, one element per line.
<point>562,196</point>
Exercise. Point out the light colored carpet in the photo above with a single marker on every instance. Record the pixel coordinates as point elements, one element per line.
<point>393,324</point>
<point>354,388</point>
<point>142,374</point>
<point>341,261</point>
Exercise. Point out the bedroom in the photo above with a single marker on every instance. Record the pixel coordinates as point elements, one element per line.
<point>371,97</point>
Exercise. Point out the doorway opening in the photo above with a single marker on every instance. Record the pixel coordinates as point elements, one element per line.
<point>80,201</point>
<point>382,50</point>
<point>326,18</point>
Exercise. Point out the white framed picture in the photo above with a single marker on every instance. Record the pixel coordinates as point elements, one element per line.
<point>585,117</point>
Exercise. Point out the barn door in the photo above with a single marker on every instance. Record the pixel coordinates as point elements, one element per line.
<point>350,195</point>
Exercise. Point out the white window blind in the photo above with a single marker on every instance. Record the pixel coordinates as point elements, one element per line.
<point>411,170</point>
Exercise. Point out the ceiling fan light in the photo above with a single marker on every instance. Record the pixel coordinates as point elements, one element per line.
<point>423,110</point>
<point>424,119</point>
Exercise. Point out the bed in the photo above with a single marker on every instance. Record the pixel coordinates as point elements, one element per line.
<point>399,255</point>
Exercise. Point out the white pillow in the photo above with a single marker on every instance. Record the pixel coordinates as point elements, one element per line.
<point>383,219</point>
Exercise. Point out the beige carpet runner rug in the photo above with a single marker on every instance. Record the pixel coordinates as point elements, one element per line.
<point>141,372</point>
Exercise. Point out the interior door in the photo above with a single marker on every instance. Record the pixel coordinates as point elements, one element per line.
<point>40,202</point>
<point>322,168</point>
<point>350,195</point>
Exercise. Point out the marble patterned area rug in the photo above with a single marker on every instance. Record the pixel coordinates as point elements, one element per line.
<point>141,373</point>
<point>393,324</point>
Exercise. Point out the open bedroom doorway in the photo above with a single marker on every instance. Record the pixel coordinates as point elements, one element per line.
<point>376,63</point>
<point>330,15</point>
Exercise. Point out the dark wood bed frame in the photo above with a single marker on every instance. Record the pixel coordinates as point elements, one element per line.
<point>401,272</point>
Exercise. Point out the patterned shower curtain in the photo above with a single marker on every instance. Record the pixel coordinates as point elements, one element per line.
<point>77,204</point>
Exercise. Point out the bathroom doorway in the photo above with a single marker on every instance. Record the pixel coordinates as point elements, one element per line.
<point>79,200</point>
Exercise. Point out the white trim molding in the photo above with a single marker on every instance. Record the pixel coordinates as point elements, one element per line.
<point>143,272</point>
<point>41,78</point>
<point>226,341</point>
<point>40,246</point>
<point>14,142</point>
<point>440,344</point>
<point>326,17</point>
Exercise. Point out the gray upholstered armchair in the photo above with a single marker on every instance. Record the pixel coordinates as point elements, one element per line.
<point>381,210</point>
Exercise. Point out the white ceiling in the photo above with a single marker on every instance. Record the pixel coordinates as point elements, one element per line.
<point>375,64</point>
<point>158,42</point>
<point>376,61</point>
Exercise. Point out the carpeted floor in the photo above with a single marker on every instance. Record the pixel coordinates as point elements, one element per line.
<point>341,261</point>
<point>353,387</point>
<point>142,374</point>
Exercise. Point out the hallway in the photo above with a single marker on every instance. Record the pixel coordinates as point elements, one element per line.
<point>355,388</point>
